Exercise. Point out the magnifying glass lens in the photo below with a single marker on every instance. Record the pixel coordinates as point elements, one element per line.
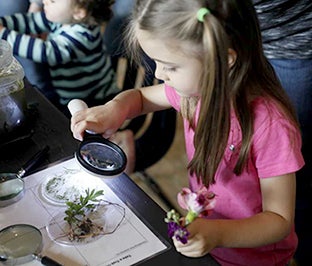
<point>10,188</point>
<point>101,156</point>
<point>19,241</point>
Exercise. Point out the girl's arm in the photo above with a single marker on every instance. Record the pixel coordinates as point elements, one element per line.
<point>271,225</point>
<point>108,118</point>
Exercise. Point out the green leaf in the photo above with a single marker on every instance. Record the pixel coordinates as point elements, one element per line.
<point>77,209</point>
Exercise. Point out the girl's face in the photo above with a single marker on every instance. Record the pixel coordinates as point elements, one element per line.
<point>59,11</point>
<point>174,67</point>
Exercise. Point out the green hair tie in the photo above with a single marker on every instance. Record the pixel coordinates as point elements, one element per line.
<point>201,13</point>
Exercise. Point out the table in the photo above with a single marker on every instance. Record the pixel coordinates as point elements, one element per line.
<point>52,128</point>
<point>48,127</point>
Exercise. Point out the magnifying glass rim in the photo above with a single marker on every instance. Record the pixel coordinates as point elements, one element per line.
<point>113,146</point>
<point>27,257</point>
<point>12,198</point>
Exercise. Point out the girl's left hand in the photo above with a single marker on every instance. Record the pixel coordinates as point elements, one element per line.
<point>200,241</point>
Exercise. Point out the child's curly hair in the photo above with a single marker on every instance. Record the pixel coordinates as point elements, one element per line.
<point>98,11</point>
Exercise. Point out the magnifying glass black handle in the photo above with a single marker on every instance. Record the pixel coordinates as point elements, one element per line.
<point>35,160</point>
<point>49,262</point>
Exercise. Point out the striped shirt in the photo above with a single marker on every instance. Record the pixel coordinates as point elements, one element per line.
<point>286,27</point>
<point>78,64</point>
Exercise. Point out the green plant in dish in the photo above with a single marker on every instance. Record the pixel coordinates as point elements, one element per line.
<point>77,216</point>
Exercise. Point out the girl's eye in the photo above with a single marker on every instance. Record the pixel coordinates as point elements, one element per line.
<point>169,69</point>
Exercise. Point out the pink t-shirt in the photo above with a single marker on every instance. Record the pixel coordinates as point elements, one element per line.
<point>240,196</point>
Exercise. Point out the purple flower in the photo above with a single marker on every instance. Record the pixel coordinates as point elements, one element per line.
<point>182,234</point>
<point>178,231</point>
<point>172,227</point>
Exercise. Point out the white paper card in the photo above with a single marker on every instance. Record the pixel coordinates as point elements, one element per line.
<point>130,241</point>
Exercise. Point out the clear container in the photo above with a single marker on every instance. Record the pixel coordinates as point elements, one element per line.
<point>13,105</point>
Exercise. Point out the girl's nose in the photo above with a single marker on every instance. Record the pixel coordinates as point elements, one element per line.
<point>160,74</point>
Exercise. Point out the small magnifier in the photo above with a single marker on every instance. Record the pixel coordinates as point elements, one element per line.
<point>96,154</point>
<point>22,243</point>
<point>12,184</point>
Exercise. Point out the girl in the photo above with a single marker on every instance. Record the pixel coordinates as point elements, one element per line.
<point>73,52</point>
<point>241,133</point>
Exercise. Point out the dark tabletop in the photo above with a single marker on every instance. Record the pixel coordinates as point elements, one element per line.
<point>45,125</point>
<point>50,127</point>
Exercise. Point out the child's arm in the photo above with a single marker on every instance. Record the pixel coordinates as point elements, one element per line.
<point>108,118</point>
<point>56,51</point>
<point>24,45</point>
<point>271,225</point>
<point>28,23</point>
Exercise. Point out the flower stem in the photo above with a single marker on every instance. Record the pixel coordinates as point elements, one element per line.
<point>190,217</point>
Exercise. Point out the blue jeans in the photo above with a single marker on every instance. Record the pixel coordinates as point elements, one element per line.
<point>36,73</point>
<point>296,78</point>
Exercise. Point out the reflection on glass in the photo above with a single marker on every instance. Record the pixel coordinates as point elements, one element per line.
<point>101,156</point>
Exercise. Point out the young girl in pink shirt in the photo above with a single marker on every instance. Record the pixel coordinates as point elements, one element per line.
<point>242,137</point>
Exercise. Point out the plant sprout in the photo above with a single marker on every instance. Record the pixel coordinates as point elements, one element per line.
<point>77,215</point>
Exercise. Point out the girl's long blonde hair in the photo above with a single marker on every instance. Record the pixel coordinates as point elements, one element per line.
<point>231,24</point>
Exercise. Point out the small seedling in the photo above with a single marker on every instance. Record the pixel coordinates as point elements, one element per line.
<point>80,225</point>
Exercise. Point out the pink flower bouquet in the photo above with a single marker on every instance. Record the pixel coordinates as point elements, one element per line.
<point>197,204</point>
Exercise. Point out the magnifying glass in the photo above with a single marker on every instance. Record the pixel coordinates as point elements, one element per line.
<point>12,185</point>
<point>96,154</point>
<point>21,243</point>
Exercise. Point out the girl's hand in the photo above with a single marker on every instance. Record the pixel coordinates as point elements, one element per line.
<point>273,224</point>
<point>108,118</point>
<point>103,119</point>
<point>200,241</point>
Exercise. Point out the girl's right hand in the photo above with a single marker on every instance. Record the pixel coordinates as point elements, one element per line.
<point>103,119</point>
<point>107,119</point>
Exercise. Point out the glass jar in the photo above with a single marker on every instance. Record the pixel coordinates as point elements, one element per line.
<point>12,93</point>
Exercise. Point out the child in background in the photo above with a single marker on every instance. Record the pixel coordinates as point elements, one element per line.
<point>73,51</point>
<point>242,137</point>
<point>35,73</point>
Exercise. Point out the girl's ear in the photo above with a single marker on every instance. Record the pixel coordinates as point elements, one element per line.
<point>232,57</point>
<point>79,14</point>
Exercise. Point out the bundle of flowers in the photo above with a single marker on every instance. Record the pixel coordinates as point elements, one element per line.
<point>197,204</point>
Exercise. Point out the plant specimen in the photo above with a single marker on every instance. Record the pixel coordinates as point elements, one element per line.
<point>78,218</point>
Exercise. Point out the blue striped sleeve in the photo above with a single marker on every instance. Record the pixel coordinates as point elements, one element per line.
<point>27,22</point>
